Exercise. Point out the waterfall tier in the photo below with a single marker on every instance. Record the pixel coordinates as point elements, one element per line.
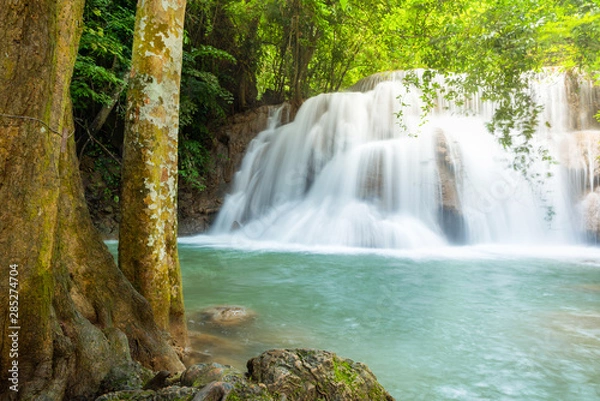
<point>365,169</point>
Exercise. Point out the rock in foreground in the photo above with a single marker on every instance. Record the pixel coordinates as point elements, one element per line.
<point>307,375</point>
<point>281,374</point>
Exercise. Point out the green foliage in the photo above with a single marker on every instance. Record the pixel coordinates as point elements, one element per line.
<point>204,100</point>
<point>107,171</point>
<point>315,46</point>
<point>194,161</point>
<point>202,96</point>
<point>571,36</point>
<point>104,53</point>
<point>238,51</point>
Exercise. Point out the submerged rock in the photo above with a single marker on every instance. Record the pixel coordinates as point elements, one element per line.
<point>225,315</point>
<point>206,348</point>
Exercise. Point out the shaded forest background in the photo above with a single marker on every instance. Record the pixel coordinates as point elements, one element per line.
<point>240,55</point>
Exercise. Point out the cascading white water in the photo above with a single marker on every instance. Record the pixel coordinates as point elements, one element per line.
<point>365,169</point>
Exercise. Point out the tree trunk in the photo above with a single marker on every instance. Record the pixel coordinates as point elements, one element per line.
<point>72,298</point>
<point>148,231</point>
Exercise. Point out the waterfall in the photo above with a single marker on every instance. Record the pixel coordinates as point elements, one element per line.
<point>365,168</point>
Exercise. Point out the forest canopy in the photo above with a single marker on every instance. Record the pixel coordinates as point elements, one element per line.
<point>242,53</point>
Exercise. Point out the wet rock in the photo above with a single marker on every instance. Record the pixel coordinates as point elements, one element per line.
<point>203,374</point>
<point>450,216</point>
<point>215,391</point>
<point>159,381</point>
<point>307,375</point>
<point>579,153</point>
<point>173,393</point>
<point>248,391</point>
<point>453,225</point>
<point>590,210</point>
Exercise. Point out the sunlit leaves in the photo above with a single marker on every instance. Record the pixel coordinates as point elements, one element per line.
<point>104,52</point>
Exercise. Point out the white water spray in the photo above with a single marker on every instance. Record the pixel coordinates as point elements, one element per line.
<point>364,169</point>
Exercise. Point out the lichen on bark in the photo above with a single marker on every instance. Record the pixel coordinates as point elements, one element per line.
<point>70,290</point>
<point>148,233</point>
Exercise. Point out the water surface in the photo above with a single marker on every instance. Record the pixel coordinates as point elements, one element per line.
<point>464,323</point>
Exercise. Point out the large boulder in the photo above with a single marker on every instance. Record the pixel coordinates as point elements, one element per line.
<point>308,375</point>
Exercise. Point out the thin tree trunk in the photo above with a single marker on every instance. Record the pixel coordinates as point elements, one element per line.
<point>104,112</point>
<point>148,231</point>
<point>72,298</point>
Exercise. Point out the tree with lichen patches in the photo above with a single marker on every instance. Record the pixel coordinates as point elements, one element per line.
<point>77,313</point>
<point>148,231</point>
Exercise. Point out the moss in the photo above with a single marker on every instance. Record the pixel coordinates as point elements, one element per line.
<point>243,391</point>
<point>344,373</point>
<point>149,176</point>
<point>233,397</point>
<point>377,393</point>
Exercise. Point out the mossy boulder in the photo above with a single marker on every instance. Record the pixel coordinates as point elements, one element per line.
<point>309,375</point>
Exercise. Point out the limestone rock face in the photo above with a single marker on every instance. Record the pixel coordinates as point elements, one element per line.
<point>590,209</point>
<point>579,152</point>
<point>450,211</point>
<point>197,209</point>
<point>307,375</point>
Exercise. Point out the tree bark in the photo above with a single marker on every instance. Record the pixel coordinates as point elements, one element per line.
<point>71,295</point>
<point>148,231</point>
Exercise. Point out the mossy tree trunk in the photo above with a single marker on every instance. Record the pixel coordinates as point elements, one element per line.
<point>148,231</point>
<point>75,307</point>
